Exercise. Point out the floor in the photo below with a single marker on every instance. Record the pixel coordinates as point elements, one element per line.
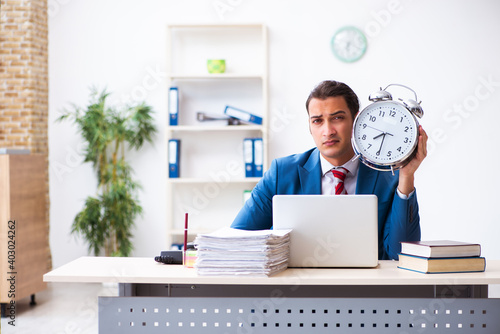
<point>64,308</point>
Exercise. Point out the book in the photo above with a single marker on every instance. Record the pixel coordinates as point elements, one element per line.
<point>441,265</point>
<point>440,248</point>
<point>242,115</point>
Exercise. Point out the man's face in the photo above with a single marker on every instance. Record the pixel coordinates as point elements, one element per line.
<point>330,123</point>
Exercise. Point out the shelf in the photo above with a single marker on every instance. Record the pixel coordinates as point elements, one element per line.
<point>192,232</point>
<point>201,181</point>
<point>222,76</point>
<point>198,128</point>
<point>208,25</point>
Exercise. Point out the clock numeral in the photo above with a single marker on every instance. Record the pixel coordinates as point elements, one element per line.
<point>364,137</point>
<point>401,120</point>
<point>406,140</point>
<point>399,149</point>
<point>389,153</point>
<point>373,118</point>
<point>407,128</point>
<point>364,125</point>
<point>381,113</point>
<point>392,113</point>
<point>369,145</point>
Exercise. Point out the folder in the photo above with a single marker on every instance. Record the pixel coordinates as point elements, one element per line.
<point>242,115</point>
<point>248,156</point>
<point>173,157</point>
<point>258,157</point>
<point>173,105</point>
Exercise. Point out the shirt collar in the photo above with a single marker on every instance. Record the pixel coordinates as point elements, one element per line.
<point>352,165</point>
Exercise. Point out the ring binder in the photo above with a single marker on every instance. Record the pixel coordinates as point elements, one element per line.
<point>173,157</point>
<point>258,157</point>
<point>173,105</point>
<point>248,157</point>
<point>242,115</point>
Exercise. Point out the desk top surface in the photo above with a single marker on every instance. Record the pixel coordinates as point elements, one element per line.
<point>146,270</point>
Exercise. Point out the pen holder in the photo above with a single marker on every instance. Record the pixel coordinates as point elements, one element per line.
<point>191,255</point>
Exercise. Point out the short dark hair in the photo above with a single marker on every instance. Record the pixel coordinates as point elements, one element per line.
<point>330,88</point>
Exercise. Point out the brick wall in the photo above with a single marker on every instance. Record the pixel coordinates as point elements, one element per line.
<point>24,78</point>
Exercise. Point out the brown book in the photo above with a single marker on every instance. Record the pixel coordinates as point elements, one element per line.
<point>441,265</point>
<point>440,248</point>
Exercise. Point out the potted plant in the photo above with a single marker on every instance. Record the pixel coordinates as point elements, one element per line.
<point>107,218</point>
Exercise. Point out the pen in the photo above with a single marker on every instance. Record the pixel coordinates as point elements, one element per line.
<point>185,236</point>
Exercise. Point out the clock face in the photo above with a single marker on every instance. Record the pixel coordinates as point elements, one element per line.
<point>385,134</point>
<point>349,44</point>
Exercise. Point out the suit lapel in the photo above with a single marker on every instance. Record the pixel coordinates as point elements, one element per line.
<point>310,175</point>
<point>367,178</point>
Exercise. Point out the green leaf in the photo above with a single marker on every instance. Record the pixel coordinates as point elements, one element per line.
<point>106,221</point>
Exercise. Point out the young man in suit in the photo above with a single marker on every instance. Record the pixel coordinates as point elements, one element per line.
<point>332,107</point>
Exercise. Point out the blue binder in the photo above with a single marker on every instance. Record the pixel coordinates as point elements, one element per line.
<point>173,105</point>
<point>242,115</point>
<point>258,157</point>
<point>248,157</point>
<point>173,157</point>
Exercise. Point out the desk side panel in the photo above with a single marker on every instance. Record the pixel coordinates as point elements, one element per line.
<point>4,218</point>
<point>129,315</point>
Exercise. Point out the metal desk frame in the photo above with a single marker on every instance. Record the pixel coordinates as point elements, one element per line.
<point>161,299</point>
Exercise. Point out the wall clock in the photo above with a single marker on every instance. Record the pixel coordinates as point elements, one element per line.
<point>385,133</point>
<point>349,44</point>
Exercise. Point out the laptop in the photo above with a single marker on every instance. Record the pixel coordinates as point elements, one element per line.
<point>329,230</point>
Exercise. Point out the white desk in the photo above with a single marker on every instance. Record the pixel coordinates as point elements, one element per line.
<point>146,270</point>
<point>297,300</point>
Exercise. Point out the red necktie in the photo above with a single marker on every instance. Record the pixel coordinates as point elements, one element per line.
<point>339,177</point>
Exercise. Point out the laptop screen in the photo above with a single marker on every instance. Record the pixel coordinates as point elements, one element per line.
<point>329,230</point>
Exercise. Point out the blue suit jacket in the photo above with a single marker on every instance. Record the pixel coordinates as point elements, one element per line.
<point>398,219</point>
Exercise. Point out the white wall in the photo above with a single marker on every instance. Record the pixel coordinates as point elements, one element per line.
<point>445,50</point>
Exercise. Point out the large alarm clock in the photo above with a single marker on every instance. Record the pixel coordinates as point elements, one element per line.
<point>385,133</point>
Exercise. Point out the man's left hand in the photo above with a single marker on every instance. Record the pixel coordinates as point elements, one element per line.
<point>407,173</point>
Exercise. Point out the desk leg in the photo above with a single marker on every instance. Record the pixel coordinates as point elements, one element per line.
<point>126,289</point>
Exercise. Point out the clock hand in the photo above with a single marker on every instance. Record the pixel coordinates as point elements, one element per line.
<point>382,143</point>
<point>383,134</point>
<point>374,128</point>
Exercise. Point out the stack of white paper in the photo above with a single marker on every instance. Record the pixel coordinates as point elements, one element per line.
<point>239,252</point>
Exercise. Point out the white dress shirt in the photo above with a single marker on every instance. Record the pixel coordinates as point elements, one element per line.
<point>351,179</point>
<point>327,179</point>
